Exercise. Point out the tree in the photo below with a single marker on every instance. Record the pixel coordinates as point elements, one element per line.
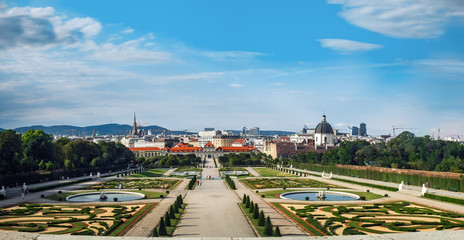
<point>162,228</point>
<point>172,214</point>
<point>256,212</point>
<point>252,207</point>
<point>37,146</point>
<point>277,232</point>
<point>167,221</point>
<point>10,151</point>
<point>155,233</point>
<point>261,220</point>
<point>268,227</point>
<point>244,198</point>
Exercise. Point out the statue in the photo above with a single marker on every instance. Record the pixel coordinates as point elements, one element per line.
<point>424,190</point>
<point>401,186</point>
<point>3,191</point>
<point>103,196</point>
<point>321,195</point>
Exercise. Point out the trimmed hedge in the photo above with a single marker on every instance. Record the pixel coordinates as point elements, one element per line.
<point>230,182</point>
<point>367,184</point>
<point>444,199</point>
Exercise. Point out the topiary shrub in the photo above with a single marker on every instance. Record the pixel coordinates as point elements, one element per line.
<point>362,198</point>
<point>386,195</point>
<point>367,190</point>
<point>307,198</point>
<point>42,196</point>
<point>115,199</point>
<point>60,192</point>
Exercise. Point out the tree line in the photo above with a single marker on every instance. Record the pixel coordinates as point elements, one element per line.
<point>243,159</point>
<point>169,160</point>
<point>406,151</point>
<point>36,150</point>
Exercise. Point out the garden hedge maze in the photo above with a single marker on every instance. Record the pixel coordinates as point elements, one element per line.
<point>105,220</point>
<point>378,218</point>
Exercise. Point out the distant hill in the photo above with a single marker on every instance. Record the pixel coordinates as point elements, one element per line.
<point>1,129</point>
<point>265,132</point>
<point>105,129</point>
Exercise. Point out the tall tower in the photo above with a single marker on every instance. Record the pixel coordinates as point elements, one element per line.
<point>135,131</point>
<point>362,129</point>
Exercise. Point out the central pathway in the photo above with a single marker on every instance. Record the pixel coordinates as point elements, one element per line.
<point>212,211</point>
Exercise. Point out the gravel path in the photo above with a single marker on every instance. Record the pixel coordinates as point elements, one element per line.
<point>253,172</point>
<point>212,211</point>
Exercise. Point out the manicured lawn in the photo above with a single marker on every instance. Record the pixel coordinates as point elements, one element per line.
<point>232,169</point>
<point>253,221</point>
<point>267,172</point>
<point>71,219</point>
<point>377,218</point>
<point>260,183</point>
<point>136,183</point>
<point>150,173</point>
<point>189,170</point>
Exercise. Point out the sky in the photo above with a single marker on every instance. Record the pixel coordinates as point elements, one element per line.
<point>276,65</point>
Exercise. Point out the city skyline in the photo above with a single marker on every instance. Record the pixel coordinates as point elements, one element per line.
<point>262,63</point>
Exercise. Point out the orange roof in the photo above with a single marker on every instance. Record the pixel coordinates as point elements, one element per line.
<point>185,149</point>
<point>136,149</point>
<point>239,141</point>
<point>237,149</point>
<point>209,144</point>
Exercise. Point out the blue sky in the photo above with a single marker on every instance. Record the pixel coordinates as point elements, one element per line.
<point>271,64</point>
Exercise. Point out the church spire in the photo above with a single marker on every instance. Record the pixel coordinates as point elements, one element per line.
<point>134,127</point>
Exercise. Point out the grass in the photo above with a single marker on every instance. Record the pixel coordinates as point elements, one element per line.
<point>125,226</point>
<point>157,172</point>
<point>232,169</point>
<point>305,225</point>
<point>253,221</point>
<point>260,183</point>
<point>136,183</point>
<point>267,172</point>
<point>174,222</point>
<point>459,201</point>
<point>189,170</point>
<point>367,195</point>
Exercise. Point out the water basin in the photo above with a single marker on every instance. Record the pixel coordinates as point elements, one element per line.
<point>95,197</point>
<point>330,196</point>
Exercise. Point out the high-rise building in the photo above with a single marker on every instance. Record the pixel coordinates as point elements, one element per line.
<point>362,129</point>
<point>354,131</point>
<point>254,131</point>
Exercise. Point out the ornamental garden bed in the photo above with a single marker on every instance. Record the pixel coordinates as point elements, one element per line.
<point>136,184</point>
<point>268,172</point>
<point>106,220</point>
<point>395,217</point>
<point>260,183</point>
<point>158,172</point>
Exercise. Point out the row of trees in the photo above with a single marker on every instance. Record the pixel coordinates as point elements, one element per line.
<point>243,159</point>
<point>169,160</point>
<point>405,151</point>
<point>36,150</point>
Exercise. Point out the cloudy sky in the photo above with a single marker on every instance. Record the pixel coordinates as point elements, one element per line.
<point>270,64</point>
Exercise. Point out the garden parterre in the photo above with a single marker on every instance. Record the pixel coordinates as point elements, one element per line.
<point>261,183</point>
<point>137,183</point>
<point>75,220</point>
<point>378,218</point>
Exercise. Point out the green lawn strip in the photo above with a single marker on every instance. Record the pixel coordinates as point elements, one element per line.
<point>174,222</point>
<point>267,172</point>
<point>367,195</point>
<point>254,222</point>
<point>128,223</point>
<point>158,172</point>
<point>356,224</point>
<point>264,183</point>
<point>189,170</point>
<point>367,184</point>
<point>459,201</point>
<point>305,225</point>
<point>232,169</point>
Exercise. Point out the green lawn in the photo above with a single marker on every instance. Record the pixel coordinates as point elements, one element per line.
<point>232,169</point>
<point>189,170</point>
<point>267,172</point>
<point>253,221</point>
<point>157,172</point>
<point>136,183</point>
<point>261,183</point>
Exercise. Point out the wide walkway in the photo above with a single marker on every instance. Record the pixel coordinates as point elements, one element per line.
<point>286,226</point>
<point>253,172</point>
<point>144,228</point>
<point>212,211</point>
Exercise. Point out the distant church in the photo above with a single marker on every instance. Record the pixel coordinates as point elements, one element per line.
<point>324,134</point>
<point>136,131</point>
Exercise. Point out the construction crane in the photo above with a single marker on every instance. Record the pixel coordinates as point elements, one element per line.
<point>396,128</point>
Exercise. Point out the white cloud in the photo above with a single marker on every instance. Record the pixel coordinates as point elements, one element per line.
<point>28,27</point>
<point>402,18</point>
<point>235,85</point>
<point>231,56</point>
<point>128,30</point>
<point>347,46</point>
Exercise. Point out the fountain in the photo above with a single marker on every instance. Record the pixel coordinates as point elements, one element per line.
<point>320,196</point>
<point>104,196</point>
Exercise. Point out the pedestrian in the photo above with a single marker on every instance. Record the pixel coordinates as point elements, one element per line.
<point>22,195</point>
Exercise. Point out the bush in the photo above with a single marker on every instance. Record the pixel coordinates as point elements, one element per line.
<point>115,199</point>
<point>444,199</point>
<point>261,220</point>
<point>268,227</point>
<point>362,198</point>
<point>386,195</point>
<point>42,196</point>
<point>162,228</point>
<point>277,232</point>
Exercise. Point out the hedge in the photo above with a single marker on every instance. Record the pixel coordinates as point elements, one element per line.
<point>444,199</point>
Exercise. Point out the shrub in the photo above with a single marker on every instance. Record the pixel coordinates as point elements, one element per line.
<point>115,199</point>
<point>155,232</point>
<point>244,199</point>
<point>307,198</point>
<point>386,195</point>
<point>261,220</point>
<point>167,221</point>
<point>172,214</point>
<point>277,232</point>
<point>263,196</point>
<point>256,212</point>
<point>162,228</point>
<point>362,198</point>
<point>268,227</point>
<point>252,207</point>
<point>42,196</point>
<point>247,205</point>
<point>60,192</point>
